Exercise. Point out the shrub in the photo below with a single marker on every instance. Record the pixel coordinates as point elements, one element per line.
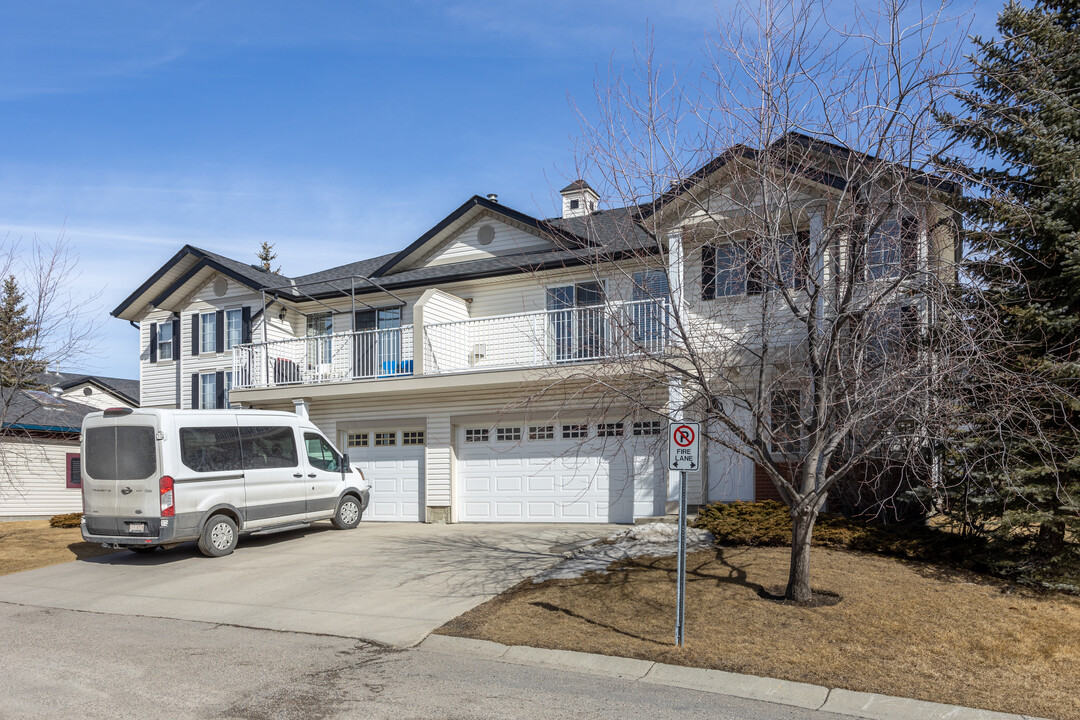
<point>768,523</point>
<point>71,520</point>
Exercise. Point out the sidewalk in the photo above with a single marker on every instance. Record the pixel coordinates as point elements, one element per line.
<point>782,692</point>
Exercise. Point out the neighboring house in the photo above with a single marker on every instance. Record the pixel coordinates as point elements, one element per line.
<point>39,440</point>
<point>413,360</point>
<point>94,390</point>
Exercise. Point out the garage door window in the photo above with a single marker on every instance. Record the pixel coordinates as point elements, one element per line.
<point>476,435</point>
<point>358,440</point>
<point>412,437</point>
<point>385,439</point>
<point>541,432</point>
<point>569,432</point>
<point>609,429</point>
<point>510,434</point>
<point>648,427</point>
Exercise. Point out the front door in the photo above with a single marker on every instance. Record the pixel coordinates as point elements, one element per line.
<point>577,325</point>
<point>377,342</point>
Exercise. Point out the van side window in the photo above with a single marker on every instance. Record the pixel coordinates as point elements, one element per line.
<point>268,447</point>
<point>210,449</point>
<point>320,454</point>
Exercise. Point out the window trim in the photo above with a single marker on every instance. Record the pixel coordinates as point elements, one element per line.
<point>229,345</point>
<point>160,343</point>
<point>477,435</point>
<point>203,325</point>
<point>70,461</point>
<point>501,434</point>
<point>203,405</point>
<point>418,438</point>
<point>379,438</point>
<point>541,433</point>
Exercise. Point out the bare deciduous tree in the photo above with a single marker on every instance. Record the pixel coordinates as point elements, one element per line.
<point>811,311</point>
<point>62,334</point>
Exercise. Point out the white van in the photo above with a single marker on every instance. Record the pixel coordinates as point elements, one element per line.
<point>155,478</point>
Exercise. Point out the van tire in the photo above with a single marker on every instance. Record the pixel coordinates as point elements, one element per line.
<point>348,513</point>
<point>218,536</point>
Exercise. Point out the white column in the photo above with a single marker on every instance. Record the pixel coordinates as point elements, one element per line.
<point>675,391</point>
<point>301,407</point>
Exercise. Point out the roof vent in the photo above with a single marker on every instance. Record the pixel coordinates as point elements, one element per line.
<point>56,391</point>
<point>493,197</point>
<point>578,199</point>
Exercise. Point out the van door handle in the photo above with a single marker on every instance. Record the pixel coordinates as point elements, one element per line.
<point>311,474</point>
<point>298,474</point>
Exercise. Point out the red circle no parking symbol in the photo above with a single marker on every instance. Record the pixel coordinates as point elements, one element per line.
<point>684,436</point>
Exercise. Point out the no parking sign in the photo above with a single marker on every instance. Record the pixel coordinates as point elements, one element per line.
<point>684,443</point>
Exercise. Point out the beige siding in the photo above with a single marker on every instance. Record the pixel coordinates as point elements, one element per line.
<point>466,246</point>
<point>157,381</point>
<point>33,478</point>
<point>438,460</point>
<point>97,398</point>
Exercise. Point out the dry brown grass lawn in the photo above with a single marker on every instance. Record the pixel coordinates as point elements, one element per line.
<point>901,628</point>
<point>25,545</point>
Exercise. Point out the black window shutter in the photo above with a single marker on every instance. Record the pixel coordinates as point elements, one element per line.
<point>245,325</point>
<point>708,272</point>
<point>219,389</point>
<point>176,339</point>
<point>755,280</point>
<point>153,342</point>
<point>194,333</point>
<point>219,325</point>
<point>194,391</point>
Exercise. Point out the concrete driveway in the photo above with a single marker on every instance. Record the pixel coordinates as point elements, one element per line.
<point>390,583</point>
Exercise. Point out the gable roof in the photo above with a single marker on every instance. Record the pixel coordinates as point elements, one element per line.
<point>471,206</point>
<point>37,410</point>
<point>186,265</point>
<point>124,389</point>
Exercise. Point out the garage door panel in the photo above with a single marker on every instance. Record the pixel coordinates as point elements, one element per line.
<point>395,474</point>
<point>542,510</point>
<point>541,483</point>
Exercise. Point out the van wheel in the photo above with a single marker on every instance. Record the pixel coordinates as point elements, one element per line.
<point>348,513</point>
<point>218,537</point>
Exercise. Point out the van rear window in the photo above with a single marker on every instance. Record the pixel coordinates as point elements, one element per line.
<point>210,449</point>
<point>120,453</point>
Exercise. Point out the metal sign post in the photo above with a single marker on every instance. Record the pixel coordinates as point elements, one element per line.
<point>683,454</point>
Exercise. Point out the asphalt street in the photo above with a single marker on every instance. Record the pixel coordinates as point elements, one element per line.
<point>62,664</point>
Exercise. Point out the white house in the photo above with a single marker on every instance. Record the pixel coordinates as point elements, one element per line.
<point>426,363</point>
<point>39,440</point>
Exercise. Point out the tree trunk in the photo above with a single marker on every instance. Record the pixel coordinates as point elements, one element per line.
<point>802,530</point>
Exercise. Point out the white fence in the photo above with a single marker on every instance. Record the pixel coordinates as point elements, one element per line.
<point>547,337</point>
<point>324,358</point>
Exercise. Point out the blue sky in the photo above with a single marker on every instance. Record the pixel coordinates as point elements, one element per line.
<point>336,131</point>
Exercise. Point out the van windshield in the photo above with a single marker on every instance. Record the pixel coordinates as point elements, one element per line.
<point>120,453</point>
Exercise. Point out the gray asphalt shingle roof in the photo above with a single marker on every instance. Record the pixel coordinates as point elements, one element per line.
<point>38,410</point>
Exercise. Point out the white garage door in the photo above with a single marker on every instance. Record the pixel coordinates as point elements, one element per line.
<point>392,460</point>
<point>548,474</point>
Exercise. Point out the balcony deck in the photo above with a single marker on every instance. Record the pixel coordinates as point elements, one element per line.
<point>522,340</point>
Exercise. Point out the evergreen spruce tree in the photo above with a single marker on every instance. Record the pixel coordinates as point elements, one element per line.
<point>19,363</point>
<point>266,256</point>
<point>1022,114</point>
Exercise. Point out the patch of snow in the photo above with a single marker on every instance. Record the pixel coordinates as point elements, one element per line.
<point>652,540</point>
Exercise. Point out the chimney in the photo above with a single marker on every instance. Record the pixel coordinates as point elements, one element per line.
<point>578,199</point>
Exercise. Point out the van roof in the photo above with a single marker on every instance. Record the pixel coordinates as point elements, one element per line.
<point>161,412</point>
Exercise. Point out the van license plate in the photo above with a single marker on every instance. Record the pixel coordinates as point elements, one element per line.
<point>136,527</point>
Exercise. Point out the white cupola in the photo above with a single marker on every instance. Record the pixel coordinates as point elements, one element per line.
<point>578,199</point>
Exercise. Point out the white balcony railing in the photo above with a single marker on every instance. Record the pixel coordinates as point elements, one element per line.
<point>324,358</point>
<point>523,340</point>
<point>547,337</point>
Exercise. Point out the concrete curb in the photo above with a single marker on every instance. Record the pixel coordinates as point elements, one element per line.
<point>751,687</point>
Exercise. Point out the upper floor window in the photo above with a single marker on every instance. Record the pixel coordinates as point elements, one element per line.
<point>208,332</point>
<point>234,327</point>
<point>575,204</point>
<point>165,340</point>
<point>892,250</point>
<point>723,270</point>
